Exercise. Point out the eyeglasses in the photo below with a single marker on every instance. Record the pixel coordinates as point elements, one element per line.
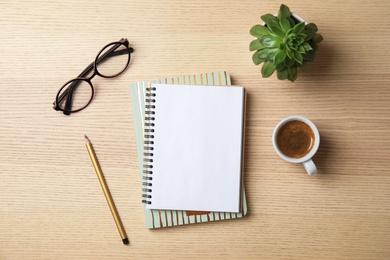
<point>77,94</point>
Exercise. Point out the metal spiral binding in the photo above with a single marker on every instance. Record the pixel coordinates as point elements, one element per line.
<point>148,144</point>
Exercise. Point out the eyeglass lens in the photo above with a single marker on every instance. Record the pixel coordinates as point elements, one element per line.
<point>82,94</point>
<point>112,60</point>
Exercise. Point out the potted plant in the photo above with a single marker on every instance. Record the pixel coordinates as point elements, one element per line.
<point>284,43</point>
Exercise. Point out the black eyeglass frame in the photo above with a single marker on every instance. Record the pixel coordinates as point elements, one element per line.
<point>68,93</point>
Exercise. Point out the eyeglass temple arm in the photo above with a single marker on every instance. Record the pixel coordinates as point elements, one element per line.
<point>69,99</point>
<point>108,54</point>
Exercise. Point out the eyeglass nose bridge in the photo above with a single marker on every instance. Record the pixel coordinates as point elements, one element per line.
<point>89,78</point>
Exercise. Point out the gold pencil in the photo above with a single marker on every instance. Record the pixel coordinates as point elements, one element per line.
<point>106,191</point>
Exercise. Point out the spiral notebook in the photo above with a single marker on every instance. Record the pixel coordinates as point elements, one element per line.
<point>219,205</point>
<point>193,137</point>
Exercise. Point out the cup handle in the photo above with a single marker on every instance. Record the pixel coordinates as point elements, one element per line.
<point>310,167</point>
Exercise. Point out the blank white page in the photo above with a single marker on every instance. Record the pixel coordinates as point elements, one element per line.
<point>197,156</point>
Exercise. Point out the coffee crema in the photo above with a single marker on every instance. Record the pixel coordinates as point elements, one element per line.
<point>295,139</point>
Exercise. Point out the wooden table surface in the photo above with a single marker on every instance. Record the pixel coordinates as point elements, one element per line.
<point>51,203</point>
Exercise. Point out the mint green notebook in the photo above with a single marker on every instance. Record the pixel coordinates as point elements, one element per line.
<point>169,218</point>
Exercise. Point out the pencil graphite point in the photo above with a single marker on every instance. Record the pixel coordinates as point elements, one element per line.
<point>86,138</point>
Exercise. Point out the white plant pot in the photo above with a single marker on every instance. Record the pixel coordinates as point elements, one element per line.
<point>297,17</point>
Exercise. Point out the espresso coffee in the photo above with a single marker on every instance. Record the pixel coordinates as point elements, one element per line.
<point>295,139</point>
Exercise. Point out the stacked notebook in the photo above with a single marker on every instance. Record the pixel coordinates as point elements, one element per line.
<point>190,148</point>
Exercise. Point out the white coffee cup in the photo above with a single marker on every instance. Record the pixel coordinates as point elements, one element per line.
<point>306,160</point>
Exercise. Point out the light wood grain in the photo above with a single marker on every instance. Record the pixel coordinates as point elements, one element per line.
<point>51,203</point>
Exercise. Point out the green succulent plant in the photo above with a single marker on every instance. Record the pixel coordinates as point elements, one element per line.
<point>284,44</point>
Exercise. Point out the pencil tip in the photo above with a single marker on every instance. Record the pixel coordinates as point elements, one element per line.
<point>86,138</point>
<point>125,241</point>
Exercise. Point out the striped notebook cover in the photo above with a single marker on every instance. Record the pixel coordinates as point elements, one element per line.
<point>169,218</point>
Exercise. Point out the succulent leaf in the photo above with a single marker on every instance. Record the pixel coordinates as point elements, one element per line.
<point>293,74</point>
<point>280,55</point>
<point>284,12</point>
<point>256,45</point>
<point>298,57</point>
<point>270,41</point>
<point>271,53</point>
<point>299,27</point>
<point>290,53</point>
<point>309,34</point>
<point>269,19</point>
<point>301,49</point>
<point>307,46</point>
<point>289,62</point>
<point>268,69</point>
<point>284,24</point>
<point>276,30</point>
<point>259,31</point>
<point>308,56</point>
<point>317,38</point>
<point>264,53</point>
<point>289,32</point>
<point>303,67</point>
<point>256,58</point>
<point>302,36</point>
<point>281,66</point>
<point>283,74</point>
<point>292,22</point>
<point>311,27</point>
